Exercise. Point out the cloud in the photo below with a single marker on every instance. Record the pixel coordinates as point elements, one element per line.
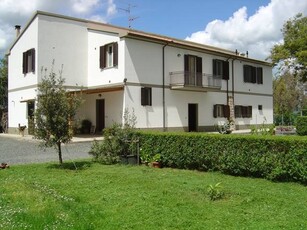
<point>256,33</point>
<point>83,6</point>
<point>16,12</point>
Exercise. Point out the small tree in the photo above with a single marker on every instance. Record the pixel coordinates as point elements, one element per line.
<point>55,110</point>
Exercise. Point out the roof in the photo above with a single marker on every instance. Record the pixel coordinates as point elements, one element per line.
<point>141,35</point>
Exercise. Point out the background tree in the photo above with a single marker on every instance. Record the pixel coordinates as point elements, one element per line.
<point>292,54</point>
<point>3,85</point>
<point>54,113</point>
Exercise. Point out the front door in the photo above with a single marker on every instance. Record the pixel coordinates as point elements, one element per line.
<point>192,117</point>
<point>100,114</point>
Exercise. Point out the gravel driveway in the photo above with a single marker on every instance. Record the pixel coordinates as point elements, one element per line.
<point>22,150</point>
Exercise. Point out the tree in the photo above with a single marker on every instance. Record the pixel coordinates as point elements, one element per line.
<point>292,54</point>
<point>55,111</point>
<point>286,94</point>
<point>3,84</point>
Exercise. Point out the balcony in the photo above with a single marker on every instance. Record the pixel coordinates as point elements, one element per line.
<point>190,81</point>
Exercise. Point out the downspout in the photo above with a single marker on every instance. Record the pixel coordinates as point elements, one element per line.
<point>163,86</point>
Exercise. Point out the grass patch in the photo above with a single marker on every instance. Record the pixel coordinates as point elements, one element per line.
<point>44,196</point>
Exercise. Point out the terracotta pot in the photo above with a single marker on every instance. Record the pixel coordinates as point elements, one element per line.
<point>156,164</point>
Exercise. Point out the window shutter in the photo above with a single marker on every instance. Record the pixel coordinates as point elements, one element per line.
<point>24,62</point>
<point>249,111</point>
<point>143,95</point>
<point>199,71</point>
<point>253,70</point>
<point>102,57</point>
<point>214,67</point>
<point>245,73</point>
<point>186,69</point>
<point>149,97</point>
<point>33,60</point>
<point>237,114</point>
<point>115,54</point>
<point>215,111</point>
<point>225,70</point>
<point>259,75</point>
<point>226,111</point>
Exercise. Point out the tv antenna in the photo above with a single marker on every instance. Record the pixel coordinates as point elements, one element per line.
<point>128,11</point>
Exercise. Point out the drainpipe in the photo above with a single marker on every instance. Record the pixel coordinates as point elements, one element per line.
<point>163,86</point>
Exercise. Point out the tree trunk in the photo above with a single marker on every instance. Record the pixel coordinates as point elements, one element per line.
<point>60,153</point>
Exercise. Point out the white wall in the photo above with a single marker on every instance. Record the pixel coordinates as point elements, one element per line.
<point>27,41</point>
<point>18,106</point>
<point>21,86</point>
<point>64,42</point>
<point>113,107</point>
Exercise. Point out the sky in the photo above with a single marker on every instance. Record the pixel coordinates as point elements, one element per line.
<point>246,25</point>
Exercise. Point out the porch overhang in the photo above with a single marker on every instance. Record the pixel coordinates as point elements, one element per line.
<point>104,88</point>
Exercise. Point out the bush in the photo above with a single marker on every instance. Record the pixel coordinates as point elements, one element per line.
<point>119,141</point>
<point>301,126</point>
<point>273,157</point>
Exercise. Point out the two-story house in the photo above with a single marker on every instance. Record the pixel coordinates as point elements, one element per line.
<point>170,84</point>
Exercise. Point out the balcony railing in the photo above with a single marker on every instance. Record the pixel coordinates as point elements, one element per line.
<point>194,81</point>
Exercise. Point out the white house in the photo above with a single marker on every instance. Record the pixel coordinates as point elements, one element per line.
<point>170,84</point>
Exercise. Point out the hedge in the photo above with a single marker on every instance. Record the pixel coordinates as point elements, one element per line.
<point>272,157</point>
<point>301,126</point>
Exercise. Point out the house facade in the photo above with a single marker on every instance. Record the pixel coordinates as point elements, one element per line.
<point>170,84</point>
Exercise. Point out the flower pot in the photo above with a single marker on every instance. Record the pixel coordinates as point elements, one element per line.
<point>156,164</point>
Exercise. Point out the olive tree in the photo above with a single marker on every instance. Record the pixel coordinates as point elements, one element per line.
<point>55,110</point>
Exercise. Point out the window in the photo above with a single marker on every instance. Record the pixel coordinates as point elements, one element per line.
<point>108,55</point>
<point>221,111</point>
<point>260,107</point>
<point>243,111</point>
<point>192,70</point>
<point>146,98</point>
<point>28,61</point>
<point>253,74</point>
<point>221,68</point>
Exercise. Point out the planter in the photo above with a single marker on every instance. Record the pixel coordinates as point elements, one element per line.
<point>129,159</point>
<point>156,164</point>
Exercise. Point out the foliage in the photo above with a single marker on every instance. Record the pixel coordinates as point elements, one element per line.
<point>288,95</point>
<point>46,196</point>
<point>157,157</point>
<point>292,54</point>
<point>55,111</point>
<point>263,129</point>
<point>273,157</point>
<point>119,140</point>
<point>3,85</point>
<point>215,192</point>
<point>301,126</point>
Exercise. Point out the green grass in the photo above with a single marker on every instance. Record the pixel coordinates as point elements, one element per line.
<point>43,196</point>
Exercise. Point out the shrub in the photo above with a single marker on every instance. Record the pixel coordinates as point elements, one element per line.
<point>276,158</point>
<point>119,140</point>
<point>301,126</point>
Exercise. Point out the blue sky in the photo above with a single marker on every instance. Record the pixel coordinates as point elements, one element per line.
<point>180,18</point>
<point>246,25</point>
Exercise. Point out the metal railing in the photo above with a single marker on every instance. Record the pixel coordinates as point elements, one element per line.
<point>190,79</point>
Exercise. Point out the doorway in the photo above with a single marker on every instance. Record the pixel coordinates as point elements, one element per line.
<point>100,115</point>
<point>193,117</point>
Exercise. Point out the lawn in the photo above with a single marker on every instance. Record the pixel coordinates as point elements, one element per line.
<point>43,196</point>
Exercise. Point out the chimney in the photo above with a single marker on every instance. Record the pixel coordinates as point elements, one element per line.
<point>17,28</point>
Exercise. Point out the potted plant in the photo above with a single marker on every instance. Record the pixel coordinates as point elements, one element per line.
<point>156,161</point>
<point>145,157</point>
